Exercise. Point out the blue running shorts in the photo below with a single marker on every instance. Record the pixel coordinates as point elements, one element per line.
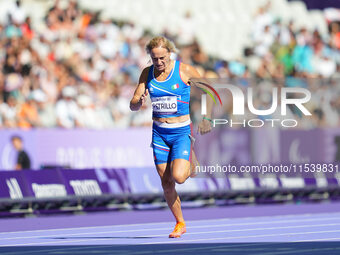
<point>171,143</point>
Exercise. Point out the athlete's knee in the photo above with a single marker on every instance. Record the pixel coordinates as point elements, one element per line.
<point>179,177</point>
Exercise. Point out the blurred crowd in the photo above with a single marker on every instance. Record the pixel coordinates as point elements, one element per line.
<point>281,55</point>
<point>79,69</point>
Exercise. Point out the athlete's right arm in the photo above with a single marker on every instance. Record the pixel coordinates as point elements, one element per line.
<point>141,92</point>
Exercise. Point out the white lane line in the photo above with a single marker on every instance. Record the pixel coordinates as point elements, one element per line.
<point>209,232</point>
<point>254,229</point>
<point>83,228</point>
<point>170,228</point>
<point>240,237</point>
<point>317,240</point>
<point>157,223</point>
<point>189,241</point>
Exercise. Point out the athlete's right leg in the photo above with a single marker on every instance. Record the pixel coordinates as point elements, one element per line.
<point>170,193</point>
<point>161,152</point>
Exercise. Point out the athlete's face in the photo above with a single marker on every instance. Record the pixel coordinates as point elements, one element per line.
<point>160,58</point>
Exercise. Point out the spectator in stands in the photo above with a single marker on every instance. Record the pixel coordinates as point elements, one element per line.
<point>186,34</point>
<point>8,111</point>
<point>26,29</point>
<point>262,18</point>
<point>67,109</point>
<point>87,117</point>
<point>46,112</point>
<point>119,106</point>
<point>23,161</point>
<point>27,115</point>
<point>264,41</point>
<point>16,13</point>
<point>335,35</point>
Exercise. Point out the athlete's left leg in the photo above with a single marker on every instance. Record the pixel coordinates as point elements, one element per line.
<point>180,170</point>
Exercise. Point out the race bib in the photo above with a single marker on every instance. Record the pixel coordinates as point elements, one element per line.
<point>164,105</point>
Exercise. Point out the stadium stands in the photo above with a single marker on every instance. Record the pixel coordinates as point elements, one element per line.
<point>75,44</point>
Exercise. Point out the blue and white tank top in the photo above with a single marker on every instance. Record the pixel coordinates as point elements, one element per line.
<point>170,98</point>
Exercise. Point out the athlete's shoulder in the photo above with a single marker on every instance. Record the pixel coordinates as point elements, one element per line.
<point>187,72</point>
<point>146,70</point>
<point>144,75</point>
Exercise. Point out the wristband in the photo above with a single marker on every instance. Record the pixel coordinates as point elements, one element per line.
<point>205,118</point>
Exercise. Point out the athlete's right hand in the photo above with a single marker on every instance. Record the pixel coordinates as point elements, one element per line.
<point>143,98</point>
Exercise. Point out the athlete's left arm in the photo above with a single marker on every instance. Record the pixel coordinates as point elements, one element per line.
<point>190,75</point>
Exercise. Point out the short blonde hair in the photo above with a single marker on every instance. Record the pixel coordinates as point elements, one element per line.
<point>160,41</point>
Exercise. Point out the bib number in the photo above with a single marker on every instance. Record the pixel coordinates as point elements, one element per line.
<point>164,105</point>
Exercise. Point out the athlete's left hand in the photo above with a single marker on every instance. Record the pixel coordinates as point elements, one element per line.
<point>204,127</point>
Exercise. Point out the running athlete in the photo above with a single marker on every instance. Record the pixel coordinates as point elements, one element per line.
<point>168,83</point>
